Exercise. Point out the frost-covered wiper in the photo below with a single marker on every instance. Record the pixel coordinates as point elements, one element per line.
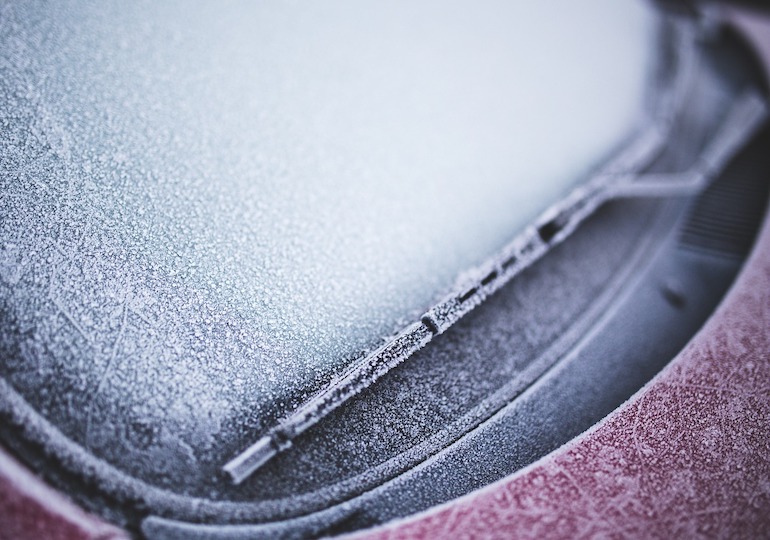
<point>621,178</point>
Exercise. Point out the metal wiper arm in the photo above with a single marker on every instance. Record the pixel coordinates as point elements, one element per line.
<point>554,225</point>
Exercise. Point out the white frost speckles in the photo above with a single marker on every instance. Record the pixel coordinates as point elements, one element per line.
<point>237,203</point>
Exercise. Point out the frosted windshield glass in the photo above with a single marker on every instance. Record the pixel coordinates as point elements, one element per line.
<point>230,202</point>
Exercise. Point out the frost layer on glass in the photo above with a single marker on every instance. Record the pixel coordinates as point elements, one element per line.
<point>209,210</point>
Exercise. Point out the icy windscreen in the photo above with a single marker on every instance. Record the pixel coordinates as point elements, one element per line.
<point>232,200</point>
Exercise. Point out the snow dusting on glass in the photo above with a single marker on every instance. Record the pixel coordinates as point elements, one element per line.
<point>208,211</point>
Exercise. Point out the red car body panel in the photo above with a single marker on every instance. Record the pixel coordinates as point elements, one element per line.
<point>30,509</point>
<point>687,456</point>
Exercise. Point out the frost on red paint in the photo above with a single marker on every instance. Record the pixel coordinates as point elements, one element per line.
<point>31,509</point>
<point>688,456</point>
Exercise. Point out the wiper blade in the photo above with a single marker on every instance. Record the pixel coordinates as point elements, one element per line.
<point>554,226</point>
